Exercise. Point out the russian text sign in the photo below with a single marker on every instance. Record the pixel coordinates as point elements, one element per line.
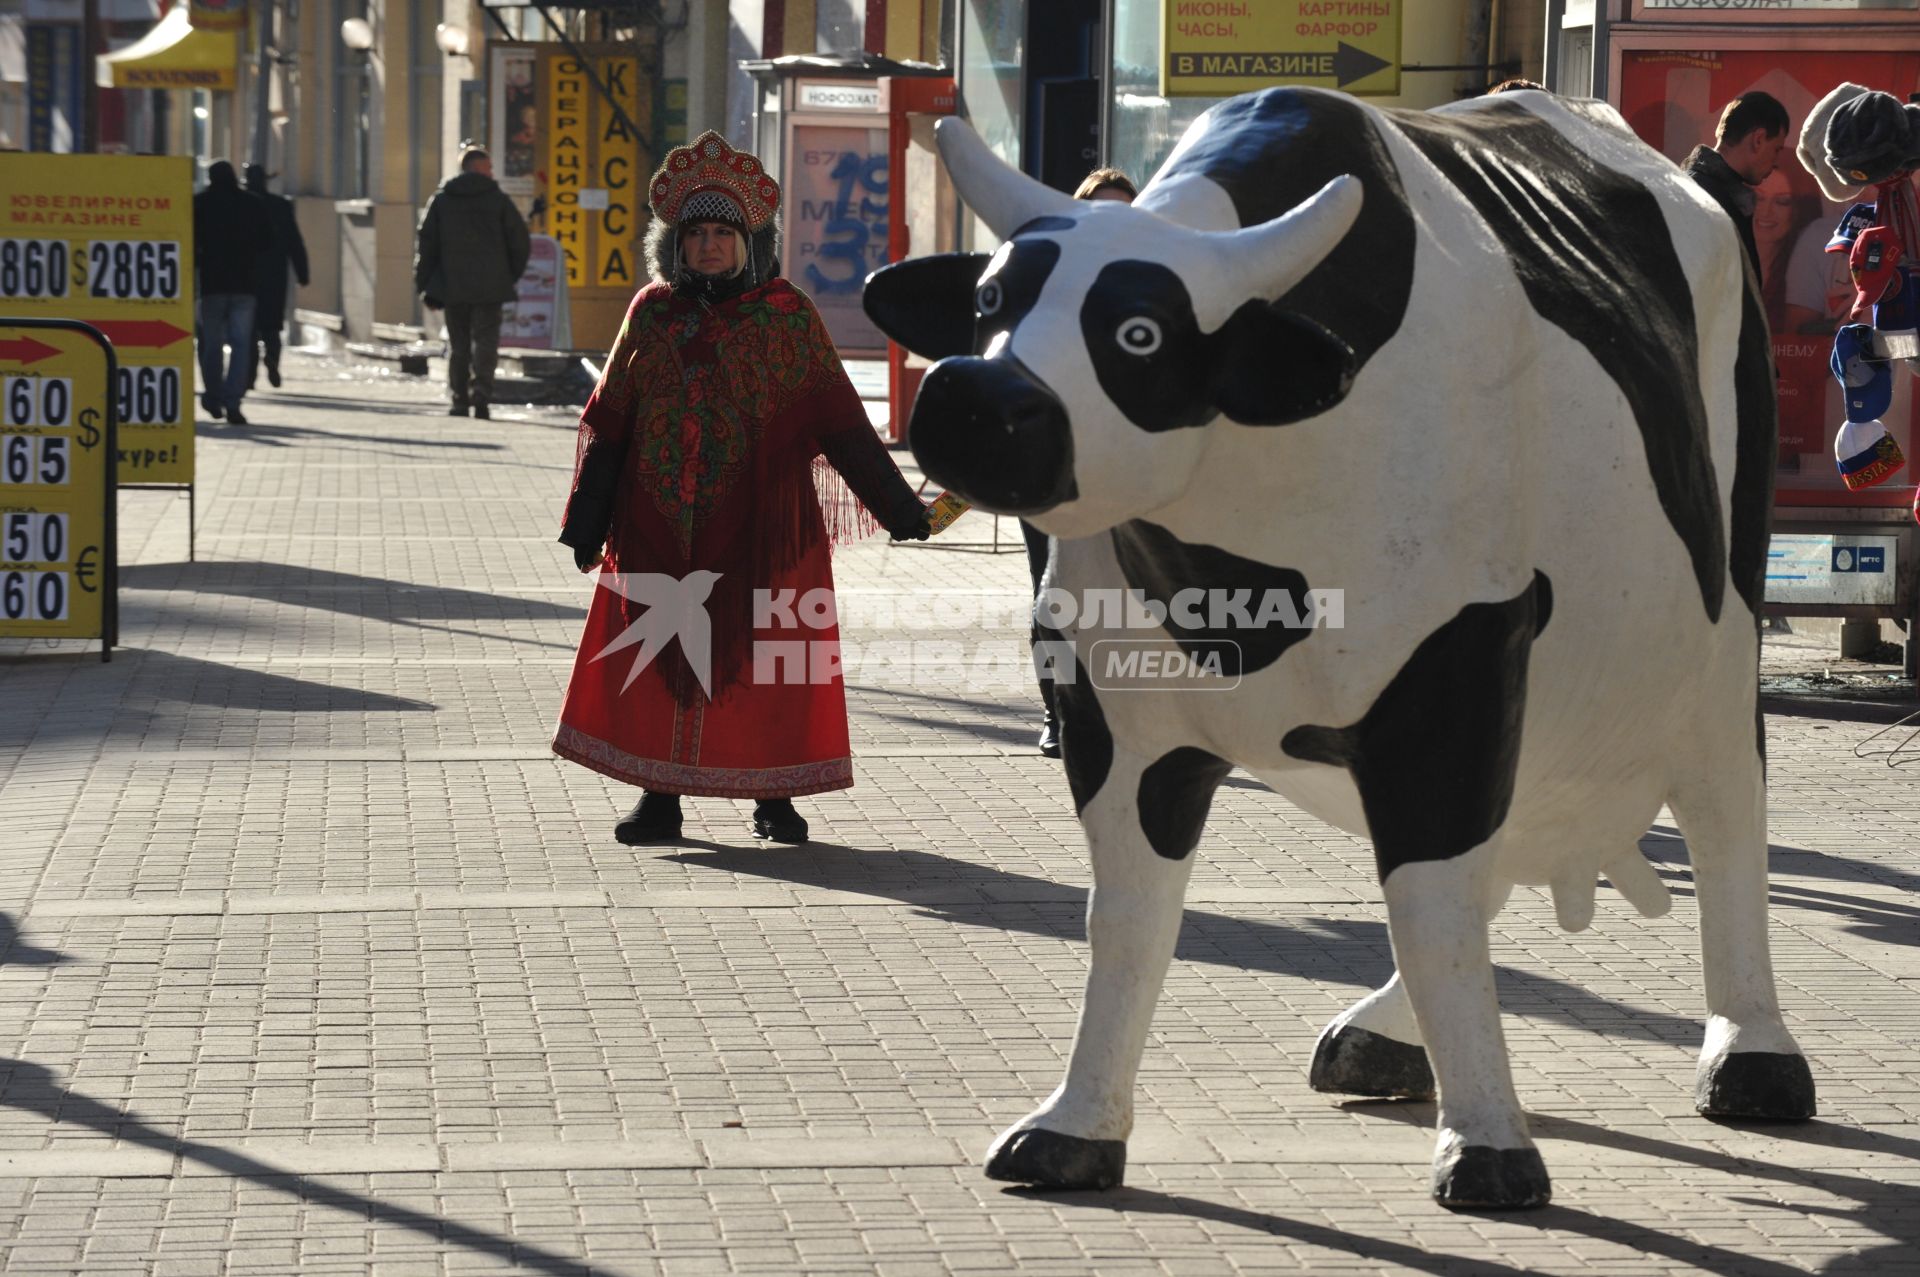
<point>56,481</point>
<point>1216,48</point>
<point>108,240</point>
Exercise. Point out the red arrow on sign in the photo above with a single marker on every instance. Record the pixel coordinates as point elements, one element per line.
<point>25,350</point>
<point>140,332</point>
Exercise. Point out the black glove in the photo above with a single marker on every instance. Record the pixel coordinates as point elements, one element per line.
<point>585,557</point>
<point>919,530</point>
<point>433,303</point>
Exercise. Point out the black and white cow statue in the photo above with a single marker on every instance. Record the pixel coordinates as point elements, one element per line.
<point>1496,371</point>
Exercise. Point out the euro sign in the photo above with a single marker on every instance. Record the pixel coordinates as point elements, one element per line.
<point>84,568</point>
<point>89,428</point>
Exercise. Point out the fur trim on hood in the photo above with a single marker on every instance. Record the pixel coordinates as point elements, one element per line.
<point>763,263</point>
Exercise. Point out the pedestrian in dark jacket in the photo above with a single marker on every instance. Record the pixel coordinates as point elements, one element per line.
<point>1747,143</point>
<point>230,230</point>
<point>473,247</point>
<point>285,248</point>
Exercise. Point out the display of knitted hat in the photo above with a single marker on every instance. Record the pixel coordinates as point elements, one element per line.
<point>1863,449</point>
<point>1873,137</point>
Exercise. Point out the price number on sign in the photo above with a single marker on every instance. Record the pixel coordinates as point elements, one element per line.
<point>28,459</point>
<point>34,538</point>
<point>149,395</point>
<point>144,270</point>
<point>33,596</point>
<point>37,401</point>
<point>33,268</point>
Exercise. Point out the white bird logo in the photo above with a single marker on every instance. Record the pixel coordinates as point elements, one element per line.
<point>676,608</point>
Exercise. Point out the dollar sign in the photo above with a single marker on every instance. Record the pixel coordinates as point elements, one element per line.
<point>89,430</point>
<point>79,271</point>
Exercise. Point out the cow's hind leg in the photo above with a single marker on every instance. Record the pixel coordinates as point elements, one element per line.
<point>1750,1066</point>
<point>1374,1047</point>
<point>1142,824</point>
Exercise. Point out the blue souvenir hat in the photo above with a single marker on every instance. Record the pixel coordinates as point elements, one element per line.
<point>1866,382</point>
<point>1852,222</point>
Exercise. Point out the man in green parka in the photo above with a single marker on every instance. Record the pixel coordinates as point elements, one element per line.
<point>473,246</point>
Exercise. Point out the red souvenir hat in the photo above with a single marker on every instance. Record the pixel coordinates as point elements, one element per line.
<point>707,166</point>
<point>1875,262</point>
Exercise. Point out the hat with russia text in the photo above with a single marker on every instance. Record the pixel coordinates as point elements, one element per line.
<point>1866,454</point>
<point>1852,222</point>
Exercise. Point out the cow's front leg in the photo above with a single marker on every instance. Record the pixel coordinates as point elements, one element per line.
<point>1142,819</point>
<point>1437,914</point>
<point>1750,1066</point>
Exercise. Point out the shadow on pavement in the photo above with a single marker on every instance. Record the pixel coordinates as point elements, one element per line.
<point>1884,1208</point>
<point>1347,951</point>
<point>34,1089</point>
<point>280,436</point>
<point>350,594</point>
<point>1886,921</point>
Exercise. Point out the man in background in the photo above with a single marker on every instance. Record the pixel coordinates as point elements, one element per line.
<point>473,247</point>
<point>285,248</point>
<point>1746,145</point>
<point>230,231</point>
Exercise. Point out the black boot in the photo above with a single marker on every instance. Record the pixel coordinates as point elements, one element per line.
<point>775,820</point>
<point>655,818</point>
<point>1049,742</point>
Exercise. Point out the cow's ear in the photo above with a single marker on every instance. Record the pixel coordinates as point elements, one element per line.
<point>926,303</point>
<point>1274,366</point>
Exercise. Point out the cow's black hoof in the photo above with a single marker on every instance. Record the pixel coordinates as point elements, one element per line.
<point>1353,1061</point>
<point>1769,1086</point>
<point>1048,1159</point>
<point>1482,1178</point>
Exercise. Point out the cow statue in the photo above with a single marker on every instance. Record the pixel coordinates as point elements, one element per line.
<point>1499,374</point>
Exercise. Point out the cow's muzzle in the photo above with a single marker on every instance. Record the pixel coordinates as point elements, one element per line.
<point>991,431</point>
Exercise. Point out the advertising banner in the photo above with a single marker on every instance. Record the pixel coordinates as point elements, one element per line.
<point>1673,99</point>
<point>108,240</point>
<point>537,318</point>
<point>56,481</point>
<point>594,178</point>
<point>835,204</point>
<point>1216,48</point>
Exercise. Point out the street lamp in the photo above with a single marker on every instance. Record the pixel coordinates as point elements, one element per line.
<point>452,40</point>
<point>356,33</point>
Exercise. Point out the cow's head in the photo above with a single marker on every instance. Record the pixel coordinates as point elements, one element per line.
<point>1078,361</point>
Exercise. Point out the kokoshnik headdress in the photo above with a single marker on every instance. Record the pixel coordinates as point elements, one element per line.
<point>709,180</point>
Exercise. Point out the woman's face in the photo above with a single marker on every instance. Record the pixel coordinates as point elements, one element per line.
<point>1772,212</point>
<point>711,248</point>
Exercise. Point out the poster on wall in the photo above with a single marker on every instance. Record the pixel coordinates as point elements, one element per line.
<point>1673,99</point>
<point>835,199</point>
<point>515,120</point>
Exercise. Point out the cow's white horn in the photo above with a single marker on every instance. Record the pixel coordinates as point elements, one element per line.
<point>1005,198</point>
<point>1276,255</point>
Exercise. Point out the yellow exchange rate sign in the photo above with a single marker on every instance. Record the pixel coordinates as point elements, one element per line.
<point>108,240</point>
<point>57,434</point>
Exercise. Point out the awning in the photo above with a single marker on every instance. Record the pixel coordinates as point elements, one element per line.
<point>172,56</point>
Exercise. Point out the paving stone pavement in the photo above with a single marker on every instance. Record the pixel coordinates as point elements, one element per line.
<point>319,962</point>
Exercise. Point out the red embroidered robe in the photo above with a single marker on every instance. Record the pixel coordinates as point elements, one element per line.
<point>697,453</point>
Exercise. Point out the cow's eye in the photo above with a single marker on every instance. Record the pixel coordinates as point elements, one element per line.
<point>987,299</point>
<point>1139,336</point>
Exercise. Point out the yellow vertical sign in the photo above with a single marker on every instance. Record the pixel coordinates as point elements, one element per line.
<point>569,138</point>
<point>616,175</point>
<point>108,240</point>
<point>56,481</point>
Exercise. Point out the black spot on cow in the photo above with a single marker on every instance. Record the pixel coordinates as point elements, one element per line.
<point>1086,745</point>
<point>1592,251</point>
<point>1274,150</point>
<point>926,303</point>
<point>1265,366</point>
<point>1011,286</point>
<point>1434,757</point>
<point>1755,447</point>
<point>1176,792</point>
<point>1044,225</point>
<point>1160,565</point>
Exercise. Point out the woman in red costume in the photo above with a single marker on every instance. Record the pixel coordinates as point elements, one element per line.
<point>720,454</point>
